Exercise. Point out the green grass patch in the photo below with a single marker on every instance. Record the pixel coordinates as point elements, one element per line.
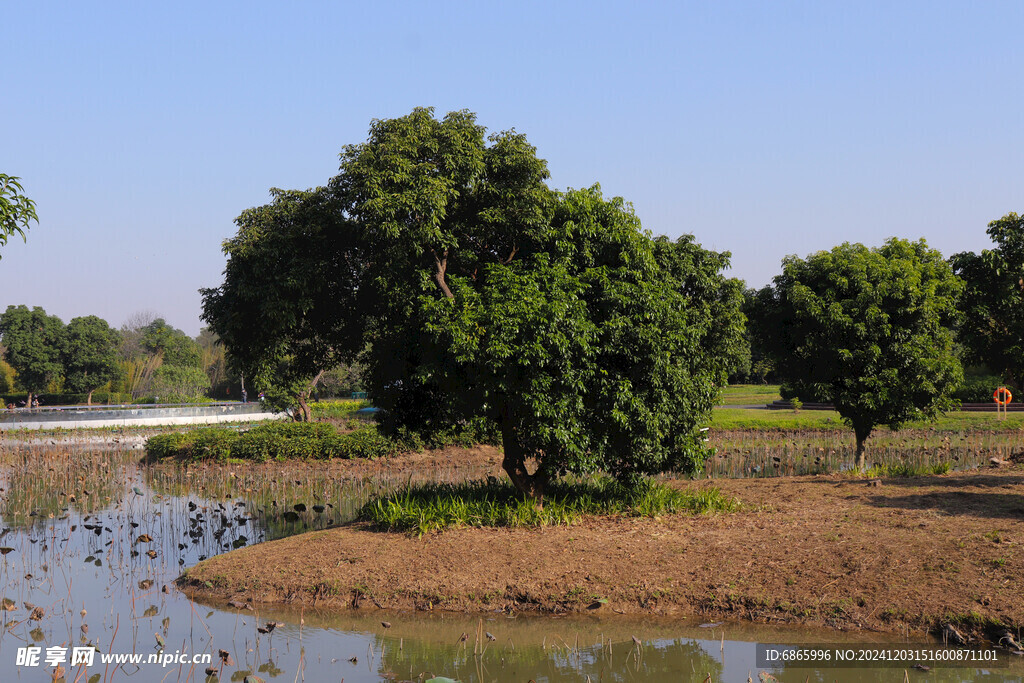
<point>435,507</point>
<point>901,469</point>
<point>749,394</point>
<point>757,419</point>
<point>339,409</point>
<point>750,418</point>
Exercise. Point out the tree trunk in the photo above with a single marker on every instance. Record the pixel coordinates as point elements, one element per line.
<point>28,403</point>
<point>88,399</point>
<point>304,413</point>
<point>441,266</point>
<point>514,464</point>
<point>862,434</point>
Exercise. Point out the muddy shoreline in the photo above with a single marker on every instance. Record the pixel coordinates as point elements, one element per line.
<point>907,555</point>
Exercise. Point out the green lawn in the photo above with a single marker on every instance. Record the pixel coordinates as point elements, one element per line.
<point>739,418</point>
<point>749,394</point>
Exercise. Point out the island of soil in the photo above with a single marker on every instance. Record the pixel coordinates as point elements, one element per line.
<point>903,554</point>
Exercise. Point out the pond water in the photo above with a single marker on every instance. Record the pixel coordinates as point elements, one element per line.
<point>91,542</point>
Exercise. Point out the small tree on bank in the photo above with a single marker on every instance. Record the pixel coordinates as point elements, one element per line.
<point>869,329</point>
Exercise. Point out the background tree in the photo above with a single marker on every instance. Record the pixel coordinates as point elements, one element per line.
<point>760,368</point>
<point>90,355</point>
<point>176,347</point>
<point>868,330</point>
<point>131,332</point>
<point>16,210</point>
<point>180,383</point>
<point>156,359</point>
<point>993,301</point>
<point>471,291</point>
<point>224,383</point>
<point>288,308</point>
<point>136,365</point>
<point>35,343</point>
<point>179,378</point>
<point>340,381</point>
<point>6,374</point>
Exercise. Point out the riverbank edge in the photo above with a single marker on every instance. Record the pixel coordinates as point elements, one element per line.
<point>227,590</point>
<point>707,567</point>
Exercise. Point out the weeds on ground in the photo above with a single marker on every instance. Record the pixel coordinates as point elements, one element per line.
<point>900,469</point>
<point>435,507</point>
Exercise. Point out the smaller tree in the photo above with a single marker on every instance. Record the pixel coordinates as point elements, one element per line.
<point>180,383</point>
<point>35,343</point>
<point>993,300</point>
<point>288,391</point>
<point>176,347</point>
<point>16,210</point>
<point>867,329</point>
<point>287,309</point>
<point>90,355</point>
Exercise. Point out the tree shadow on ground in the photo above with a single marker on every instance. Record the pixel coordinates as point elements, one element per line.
<point>956,480</point>
<point>970,503</point>
<point>960,480</point>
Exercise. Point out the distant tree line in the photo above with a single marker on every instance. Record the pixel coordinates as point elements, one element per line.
<point>145,360</point>
<point>146,357</point>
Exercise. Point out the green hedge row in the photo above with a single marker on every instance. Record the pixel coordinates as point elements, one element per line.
<point>98,398</point>
<point>975,389</point>
<point>272,441</point>
<point>980,389</point>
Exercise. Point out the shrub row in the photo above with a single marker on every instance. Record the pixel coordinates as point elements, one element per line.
<point>976,389</point>
<point>271,441</point>
<point>98,398</point>
<point>465,434</point>
<point>980,389</point>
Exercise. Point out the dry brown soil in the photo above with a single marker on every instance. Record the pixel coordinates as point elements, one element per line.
<point>825,550</point>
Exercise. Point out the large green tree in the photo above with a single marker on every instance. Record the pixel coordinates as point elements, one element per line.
<point>90,355</point>
<point>35,344</point>
<point>470,290</point>
<point>992,332</point>
<point>16,210</point>
<point>868,329</point>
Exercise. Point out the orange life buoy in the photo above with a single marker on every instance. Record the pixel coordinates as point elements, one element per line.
<point>1002,396</point>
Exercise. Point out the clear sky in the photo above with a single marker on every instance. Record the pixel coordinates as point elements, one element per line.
<point>142,129</point>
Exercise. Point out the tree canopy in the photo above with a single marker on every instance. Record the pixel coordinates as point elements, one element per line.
<point>868,329</point>
<point>16,210</point>
<point>470,291</point>
<point>35,343</point>
<point>90,355</point>
<point>993,302</point>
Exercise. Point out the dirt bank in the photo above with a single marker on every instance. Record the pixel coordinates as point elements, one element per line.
<point>908,553</point>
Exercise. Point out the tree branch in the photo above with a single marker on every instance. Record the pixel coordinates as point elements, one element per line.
<point>515,249</point>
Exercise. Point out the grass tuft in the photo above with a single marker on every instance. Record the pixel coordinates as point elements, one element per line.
<point>900,469</point>
<point>434,507</point>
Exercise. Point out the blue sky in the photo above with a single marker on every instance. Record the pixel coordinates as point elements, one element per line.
<point>141,129</point>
